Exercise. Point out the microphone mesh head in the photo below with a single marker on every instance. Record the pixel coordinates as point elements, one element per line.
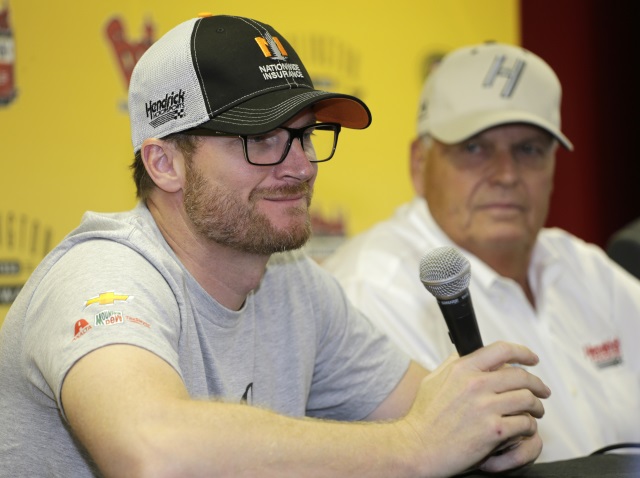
<point>445,272</point>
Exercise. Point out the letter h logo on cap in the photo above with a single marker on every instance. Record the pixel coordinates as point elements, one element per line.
<point>512,74</point>
<point>271,47</point>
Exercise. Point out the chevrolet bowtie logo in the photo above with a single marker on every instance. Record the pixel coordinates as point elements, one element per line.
<point>106,298</point>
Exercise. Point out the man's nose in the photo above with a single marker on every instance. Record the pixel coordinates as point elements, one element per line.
<point>504,167</point>
<point>296,163</point>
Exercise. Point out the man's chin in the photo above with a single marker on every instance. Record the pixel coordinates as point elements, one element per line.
<point>500,236</point>
<point>509,241</point>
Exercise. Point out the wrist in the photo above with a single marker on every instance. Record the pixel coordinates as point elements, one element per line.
<point>418,455</point>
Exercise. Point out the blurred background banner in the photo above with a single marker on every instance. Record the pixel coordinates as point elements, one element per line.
<point>64,129</point>
<point>65,67</point>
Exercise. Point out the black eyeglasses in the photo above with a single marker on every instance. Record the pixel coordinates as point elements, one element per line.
<point>318,142</point>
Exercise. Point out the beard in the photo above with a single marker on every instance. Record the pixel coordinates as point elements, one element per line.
<point>222,217</point>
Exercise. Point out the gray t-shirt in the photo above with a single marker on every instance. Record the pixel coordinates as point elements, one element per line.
<point>297,346</point>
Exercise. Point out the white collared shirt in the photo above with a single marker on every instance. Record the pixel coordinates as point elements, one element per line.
<point>585,327</point>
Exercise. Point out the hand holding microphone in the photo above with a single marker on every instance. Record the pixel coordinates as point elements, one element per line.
<point>446,273</point>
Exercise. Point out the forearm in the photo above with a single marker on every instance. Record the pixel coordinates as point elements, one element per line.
<point>157,430</point>
<point>461,415</point>
<point>219,439</point>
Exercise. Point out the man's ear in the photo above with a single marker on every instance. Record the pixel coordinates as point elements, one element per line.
<point>417,165</point>
<point>164,164</point>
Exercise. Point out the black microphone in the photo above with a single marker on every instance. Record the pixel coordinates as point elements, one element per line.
<point>446,273</point>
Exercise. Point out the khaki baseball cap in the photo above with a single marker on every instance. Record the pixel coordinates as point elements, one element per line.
<point>481,86</point>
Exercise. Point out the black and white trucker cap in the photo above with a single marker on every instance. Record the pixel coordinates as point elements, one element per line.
<point>228,74</point>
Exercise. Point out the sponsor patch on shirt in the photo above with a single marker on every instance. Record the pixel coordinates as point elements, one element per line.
<point>81,327</point>
<point>605,354</point>
<point>107,298</point>
<point>109,317</point>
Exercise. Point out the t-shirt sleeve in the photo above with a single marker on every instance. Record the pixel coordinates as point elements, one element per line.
<point>99,293</point>
<point>357,366</point>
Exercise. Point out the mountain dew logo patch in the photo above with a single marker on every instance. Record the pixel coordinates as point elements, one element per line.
<point>109,317</point>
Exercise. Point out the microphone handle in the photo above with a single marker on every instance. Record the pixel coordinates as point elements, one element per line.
<point>461,320</point>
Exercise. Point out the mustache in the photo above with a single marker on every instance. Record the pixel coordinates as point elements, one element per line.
<point>289,189</point>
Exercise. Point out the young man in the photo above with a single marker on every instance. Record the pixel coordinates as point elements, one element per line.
<point>482,168</point>
<point>188,338</point>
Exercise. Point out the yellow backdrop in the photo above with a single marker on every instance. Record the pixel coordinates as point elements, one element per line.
<point>65,144</point>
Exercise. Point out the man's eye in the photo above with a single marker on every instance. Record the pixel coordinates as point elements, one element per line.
<point>472,147</point>
<point>257,138</point>
<point>271,138</point>
<point>532,149</point>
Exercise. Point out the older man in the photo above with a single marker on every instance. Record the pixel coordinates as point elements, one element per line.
<point>482,167</point>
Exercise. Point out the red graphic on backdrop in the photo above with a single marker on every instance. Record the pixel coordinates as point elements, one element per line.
<point>7,59</point>
<point>127,52</point>
<point>324,226</point>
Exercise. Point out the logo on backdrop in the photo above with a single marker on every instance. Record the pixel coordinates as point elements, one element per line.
<point>127,52</point>
<point>7,59</point>
<point>23,244</point>
<point>333,64</point>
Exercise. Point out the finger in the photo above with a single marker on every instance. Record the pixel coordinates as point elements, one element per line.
<point>497,354</point>
<point>517,402</point>
<point>531,405</point>
<point>516,457</point>
<point>515,378</point>
<point>508,445</point>
<point>514,426</point>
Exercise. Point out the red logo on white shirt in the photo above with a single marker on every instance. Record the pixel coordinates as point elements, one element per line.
<point>605,354</point>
